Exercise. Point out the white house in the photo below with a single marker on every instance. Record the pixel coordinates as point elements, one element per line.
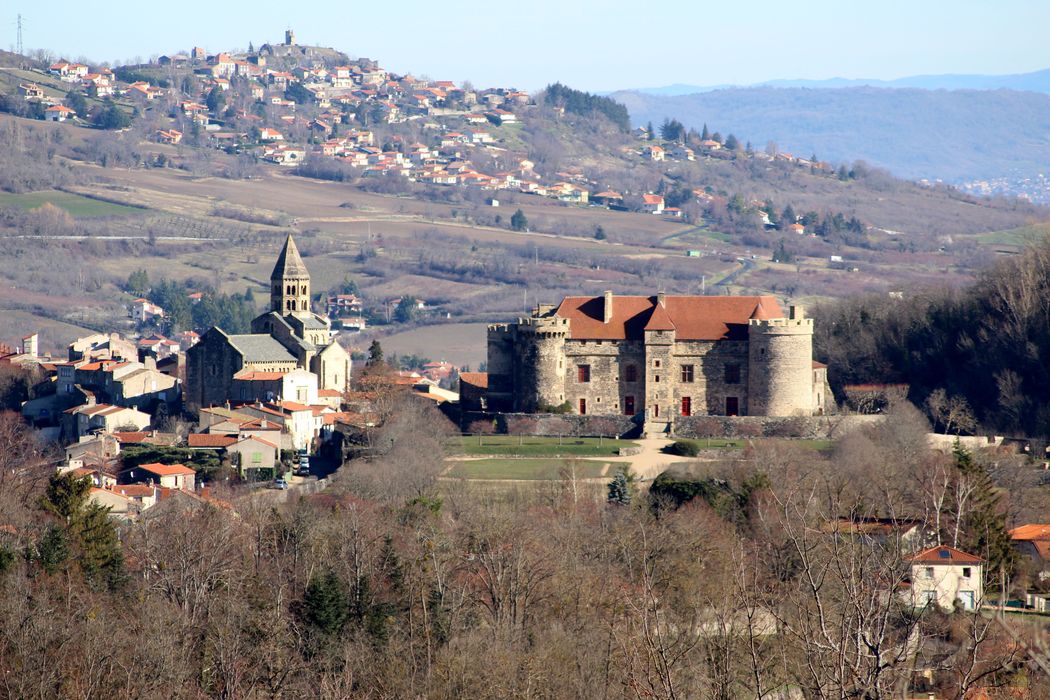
<point>172,476</point>
<point>947,577</point>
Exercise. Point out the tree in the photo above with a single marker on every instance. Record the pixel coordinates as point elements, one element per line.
<point>622,487</point>
<point>650,134</point>
<point>705,134</point>
<point>519,222</point>
<point>325,605</point>
<point>407,310</point>
<point>731,143</point>
<point>76,102</point>
<point>138,283</point>
<point>111,117</point>
<point>375,354</point>
<point>215,100</point>
<point>599,233</point>
<point>672,130</point>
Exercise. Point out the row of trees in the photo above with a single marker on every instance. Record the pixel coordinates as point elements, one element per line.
<point>231,312</point>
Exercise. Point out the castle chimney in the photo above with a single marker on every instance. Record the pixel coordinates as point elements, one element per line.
<point>796,312</point>
<point>29,345</point>
<point>661,298</point>
<point>608,306</point>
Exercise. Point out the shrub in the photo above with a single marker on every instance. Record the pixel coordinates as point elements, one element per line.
<point>684,448</point>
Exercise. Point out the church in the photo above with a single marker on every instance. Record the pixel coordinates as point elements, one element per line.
<point>288,337</point>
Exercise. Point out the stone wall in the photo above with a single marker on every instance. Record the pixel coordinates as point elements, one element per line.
<point>812,427</point>
<point>548,424</point>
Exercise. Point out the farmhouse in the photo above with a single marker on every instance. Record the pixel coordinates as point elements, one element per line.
<point>659,357</point>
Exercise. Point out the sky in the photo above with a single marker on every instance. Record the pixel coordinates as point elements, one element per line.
<point>596,45</point>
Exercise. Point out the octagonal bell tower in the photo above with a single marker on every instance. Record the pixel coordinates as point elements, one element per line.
<point>290,283</point>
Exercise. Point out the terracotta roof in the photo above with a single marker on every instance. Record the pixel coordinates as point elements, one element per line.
<point>693,317</point>
<point>944,554</point>
<point>209,440</point>
<point>819,365</point>
<point>658,320</point>
<point>256,438</point>
<point>329,393</point>
<point>131,437</point>
<point>1031,532</point>
<point>762,313</point>
<point>167,469</point>
<point>133,490</point>
<point>478,379</point>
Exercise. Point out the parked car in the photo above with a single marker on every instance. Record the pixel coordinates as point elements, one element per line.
<point>280,484</point>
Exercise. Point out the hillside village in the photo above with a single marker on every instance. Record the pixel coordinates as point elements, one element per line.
<point>313,108</point>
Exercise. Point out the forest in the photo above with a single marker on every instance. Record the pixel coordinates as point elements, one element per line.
<point>734,581</point>
<point>985,343</point>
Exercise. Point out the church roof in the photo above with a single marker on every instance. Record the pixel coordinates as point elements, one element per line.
<point>289,263</point>
<point>691,317</point>
<point>256,347</point>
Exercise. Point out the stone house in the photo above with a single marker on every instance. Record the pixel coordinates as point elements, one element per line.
<point>948,578</point>
<point>657,357</point>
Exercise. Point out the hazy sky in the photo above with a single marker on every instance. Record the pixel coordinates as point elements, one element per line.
<point>589,44</point>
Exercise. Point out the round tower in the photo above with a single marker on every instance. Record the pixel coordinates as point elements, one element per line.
<point>542,361</point>
<point>780,364</point>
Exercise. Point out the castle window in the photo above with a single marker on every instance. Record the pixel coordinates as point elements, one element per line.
<point>628,405</point>
<point>732,406</point>
<point>583,374</point>
<point>583,407</point>
<point>732,374</point>
<point>656,363</point>
<point>630,374</point>
<point>687,374</point>
<point>657,379</point>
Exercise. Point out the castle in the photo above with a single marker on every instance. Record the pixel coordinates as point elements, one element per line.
<point>229,367</point>
<point>657,357</point>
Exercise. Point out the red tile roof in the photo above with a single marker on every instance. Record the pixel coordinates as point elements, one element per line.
<point>167,469</point>
<point>1031,532</point>
<point>944,554</point>
<point>209,440</point>
<point>692,317</point>
<point>478,379</point>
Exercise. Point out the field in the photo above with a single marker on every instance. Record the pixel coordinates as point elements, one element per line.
<point>527,469</point>
<point>529,446</point>
<point>740,443</point>
<point>462,344</point>
<point>76,205</point>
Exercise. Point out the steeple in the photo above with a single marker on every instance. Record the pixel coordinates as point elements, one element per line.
<point>290,282</point>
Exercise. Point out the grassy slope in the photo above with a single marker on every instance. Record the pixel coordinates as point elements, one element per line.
<point>527,469</point>
<point>77,205</point>
<point>538,446</point>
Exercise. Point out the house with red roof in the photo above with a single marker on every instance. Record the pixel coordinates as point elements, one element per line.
<point>661,357</point>
<point>652,203</point>
<point>947,578</point>
<point>172,476</point>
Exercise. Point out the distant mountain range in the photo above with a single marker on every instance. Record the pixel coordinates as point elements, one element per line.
<point>953,135</point>
<point>1038,81</point>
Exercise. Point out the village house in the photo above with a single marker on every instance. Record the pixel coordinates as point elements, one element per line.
<point>59,113</point>
<point>652,203</point>
<point>948,578</point>
<point>171,476</point>
<point>82,420</point>
<point>1033,543</point>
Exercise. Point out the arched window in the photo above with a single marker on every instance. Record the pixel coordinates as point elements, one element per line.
<point>304,290</point>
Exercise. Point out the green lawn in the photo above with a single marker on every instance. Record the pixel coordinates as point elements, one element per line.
<point>526,469</point>
<point>76,205</point>
<point>1015,237</point>
<point>537,446</point>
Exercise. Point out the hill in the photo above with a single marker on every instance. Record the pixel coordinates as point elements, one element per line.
<point>1036,81</point>
<point>955,136</point>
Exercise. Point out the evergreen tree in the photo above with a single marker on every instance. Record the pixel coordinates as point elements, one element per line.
<point>622,488</point>
<point>375,354</point>
<point>732,144</point>
<point>599,233</point>
<point>984,529</point>
<point>519,222</point>
<point>705,134</point>
<point>649,133</point>
<point>138,283</point>
<point>65,496</point>
<point>789,217</point>
<point>324,607</point>
<point>52,550</point>
<point>215,100</point>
